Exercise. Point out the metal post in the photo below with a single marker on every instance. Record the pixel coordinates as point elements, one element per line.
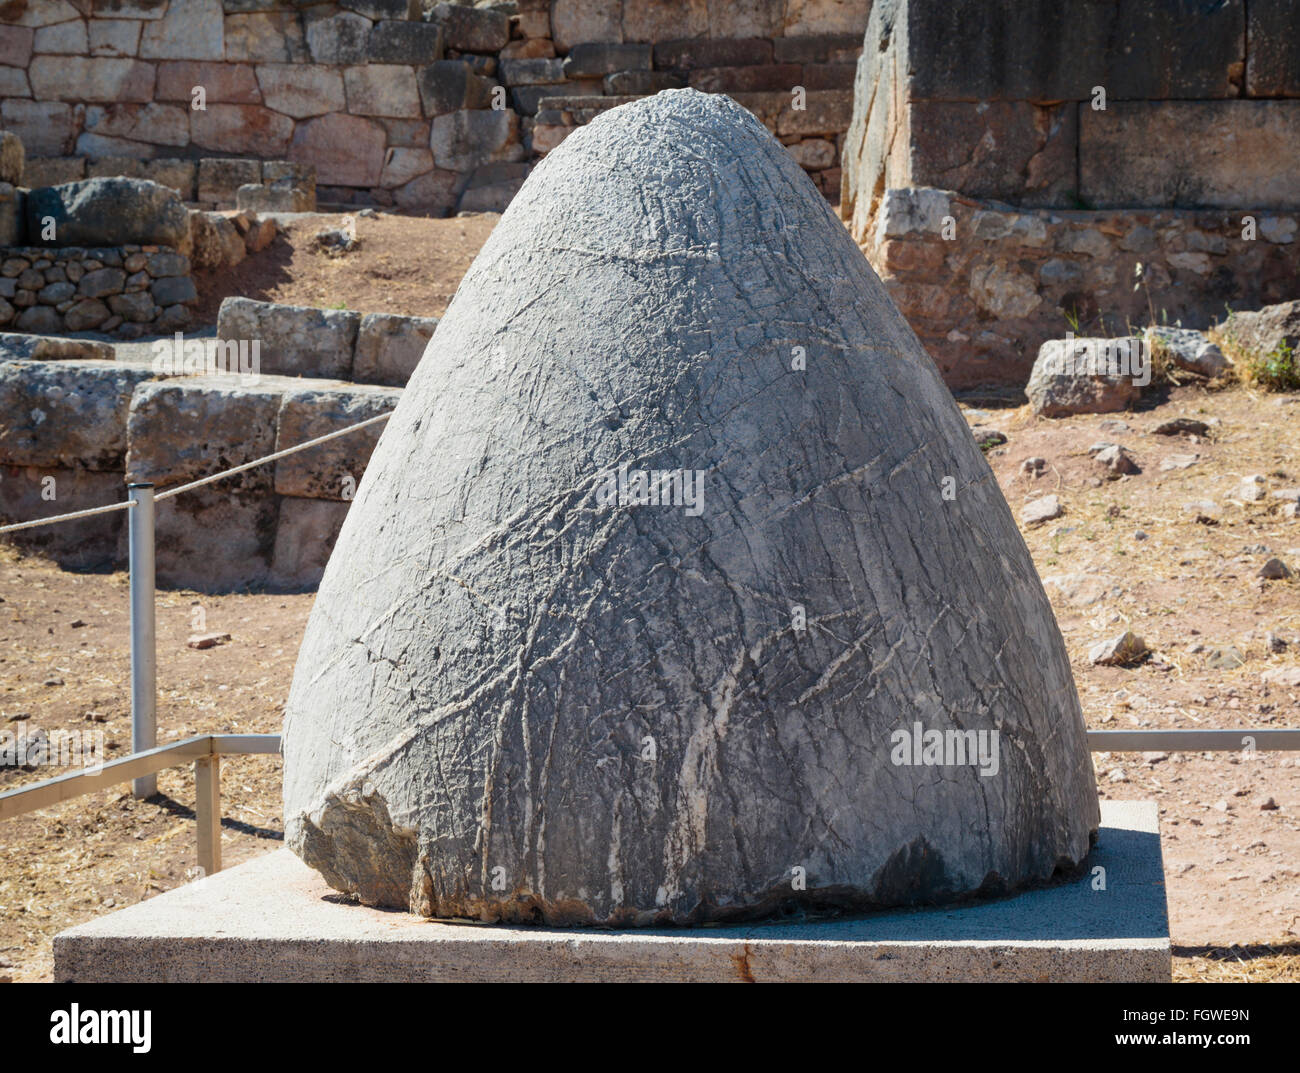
<point>144,673</point>
<point>207,809</point>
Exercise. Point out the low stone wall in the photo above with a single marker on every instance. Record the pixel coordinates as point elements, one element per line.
<point>206,183</point>
<point>417,104</point>
<point>369,348</point>
<point>73,289</point>
<point>78,429</point>
<point>984,285</point>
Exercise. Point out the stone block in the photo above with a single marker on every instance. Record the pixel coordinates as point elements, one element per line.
<point>1273,53</point>
<point>241,128</point>
<point>12,158</point>
<point>178,175</point>
<point>53,170</point>
<point>16,46</point>
<point>462,140</point>
<point>526,100</point>
<point>13,227</point>
<point>91,79</point>
<point>69,413</point>
<point>401,165</point>
<point>29,492</point>
<point>181,429</point>
<point>222,83</point>
<point>212,540</point>
<point>347,150</point>
<point>63,38</point>
<point>46,127</point>
<point>1190,154</point>
<point>382,90</point>
<point>295,340</point>
<point>1005,50</point>
<point>637,83</point>
<point>301,90</point>
<point>190,30</point>
<point>576,22</point>
<point>332,470</point>
<point>390,346</point>
<point>341,38</point>
<point>451,85</point>
<point>1009,150</point>
<point>689,55</point>
<point>814,48</point>
<point>756,78</point>
<point>405,42</point>
<point>471,29</point>
<point>109,212</point>
<point>220,177</point>
<point>596,58</point>
<point>265,37</point>
<point>532,72</point>
<point>114,37</point>
<point>283,195</point>
<point>304,537</point>
<point>15,347</point>
<point>154,124</point>
<point>13,83</point>
<point>384,9</point>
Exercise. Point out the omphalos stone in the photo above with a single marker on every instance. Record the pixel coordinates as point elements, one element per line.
<point>676,589</point>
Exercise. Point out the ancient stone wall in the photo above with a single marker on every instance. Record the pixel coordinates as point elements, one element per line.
<point>1115,112</point>
<point>410,103</point>
<point>85,420</point>
<point>73,289</point>
<point>983,284</point>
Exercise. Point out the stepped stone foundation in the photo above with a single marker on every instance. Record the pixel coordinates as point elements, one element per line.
<point>1009,164</point>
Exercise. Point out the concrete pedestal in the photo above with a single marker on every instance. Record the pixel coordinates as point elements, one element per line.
<point>273,919</point>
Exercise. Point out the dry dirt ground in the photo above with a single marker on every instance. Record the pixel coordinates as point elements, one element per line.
<point>1232,860</point>
<point>403,264</point>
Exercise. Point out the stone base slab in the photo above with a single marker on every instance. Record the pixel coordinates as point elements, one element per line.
<point>274,919</point>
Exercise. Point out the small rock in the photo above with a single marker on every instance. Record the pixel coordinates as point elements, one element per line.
<point>1043,509</point>
<point>1139,535</point>
<point>1179,462</point>
<point>1274,643</point>
<point>18,717</point>
<point>1118,460</point>
<point>987,438</point>
<point>1286,677</point>
<point>1227,658</point>
<point>76,624</point>
<point>53,682</point>
<point>1182,426</point>
<point>1033,466</point>
<point>1119,651</point>
<point>1268,806</point>
<point>1274,570</point>
<point>1252,489</point>
<point>206,640</point>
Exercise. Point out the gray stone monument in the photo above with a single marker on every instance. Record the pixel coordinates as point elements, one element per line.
<point>677,589</point>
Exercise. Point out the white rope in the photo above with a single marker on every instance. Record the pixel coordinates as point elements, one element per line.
<point>196,484</point>
<point>270,458</point>
<point>66,517</point>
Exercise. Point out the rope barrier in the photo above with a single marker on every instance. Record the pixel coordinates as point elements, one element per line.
<point>199,483</point>
<point>66,517</point>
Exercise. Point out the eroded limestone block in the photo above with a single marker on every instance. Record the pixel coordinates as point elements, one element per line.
<point>532,690</point>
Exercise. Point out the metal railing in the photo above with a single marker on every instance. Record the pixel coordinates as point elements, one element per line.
<point>206,751</point>
<point>147,758</point>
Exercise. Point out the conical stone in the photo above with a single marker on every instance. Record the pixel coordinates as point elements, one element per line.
<point>677,589</point>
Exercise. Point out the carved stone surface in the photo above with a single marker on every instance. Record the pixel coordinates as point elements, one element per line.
<point>526,695</point>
